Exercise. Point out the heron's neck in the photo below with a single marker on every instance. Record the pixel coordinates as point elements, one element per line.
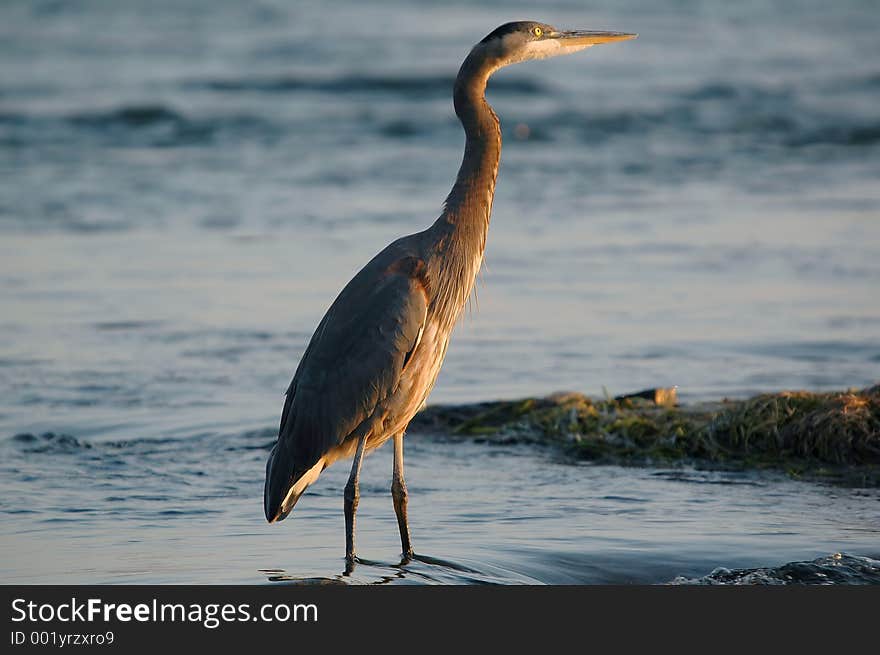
<point>470,200</point>
<point>462,227</point>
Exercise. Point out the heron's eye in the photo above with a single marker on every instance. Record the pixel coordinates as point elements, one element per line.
<point>538,32</point>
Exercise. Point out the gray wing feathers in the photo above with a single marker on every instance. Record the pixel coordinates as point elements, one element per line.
<point>353,362</point>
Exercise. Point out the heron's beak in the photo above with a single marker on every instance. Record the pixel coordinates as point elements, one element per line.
<point>585,38</point>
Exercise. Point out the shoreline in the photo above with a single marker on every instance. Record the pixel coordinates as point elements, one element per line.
<point>832,437</point>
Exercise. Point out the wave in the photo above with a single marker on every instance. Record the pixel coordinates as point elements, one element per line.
<point>739,131</point>
<point>52,443</point>
<point>867,134</point>
<point>835,569</point>
<point>152,125</point>
<point>131,115</point>
<point>407,85</point>
<point>781,115</point>
<point>717,120</point>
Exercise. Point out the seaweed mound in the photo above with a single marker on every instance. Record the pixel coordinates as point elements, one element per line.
<point>832,436</point>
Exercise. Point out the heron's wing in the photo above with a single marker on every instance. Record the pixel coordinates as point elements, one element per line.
<point>353,362</point>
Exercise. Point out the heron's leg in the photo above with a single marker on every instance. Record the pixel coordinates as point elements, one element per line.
<point>352,495</point>
<point>399,494</point>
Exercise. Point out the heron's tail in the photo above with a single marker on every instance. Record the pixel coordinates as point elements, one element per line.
<point>282,488</point>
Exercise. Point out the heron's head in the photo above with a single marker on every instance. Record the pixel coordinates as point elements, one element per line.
<point>526,40</point>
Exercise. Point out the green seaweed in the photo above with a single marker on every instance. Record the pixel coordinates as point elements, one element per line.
<point>833,436</point>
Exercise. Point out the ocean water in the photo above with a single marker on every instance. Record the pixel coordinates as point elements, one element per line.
<point>185,186</point>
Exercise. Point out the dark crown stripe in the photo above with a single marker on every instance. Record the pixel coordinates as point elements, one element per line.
<point>509,28</point>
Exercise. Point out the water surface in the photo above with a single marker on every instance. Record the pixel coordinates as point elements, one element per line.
<point>189,511</point>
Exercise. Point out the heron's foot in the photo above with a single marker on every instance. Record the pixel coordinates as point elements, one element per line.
<point>350,555</point>
<point>351,561</point>
<point>406,549</point>
<point>351,502</point>
<point>351,496</point>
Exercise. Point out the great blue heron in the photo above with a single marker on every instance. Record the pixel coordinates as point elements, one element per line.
<point>374,357</point>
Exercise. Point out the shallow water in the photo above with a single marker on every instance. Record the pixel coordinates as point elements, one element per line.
<point>188,511</point>
<point>187,185</point>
